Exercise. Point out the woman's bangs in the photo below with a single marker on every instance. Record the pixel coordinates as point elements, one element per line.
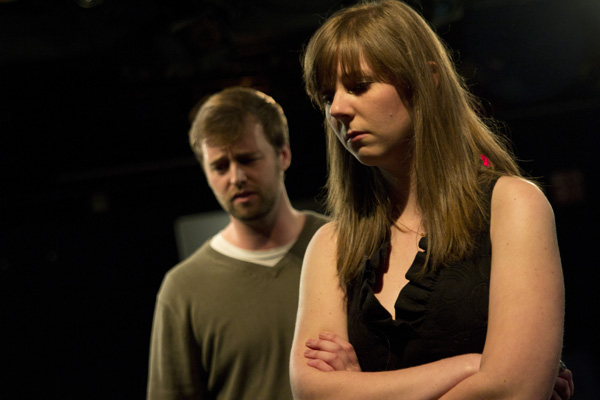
<point>326,69</point>
<point>344,49</point>
<point>351,58</point>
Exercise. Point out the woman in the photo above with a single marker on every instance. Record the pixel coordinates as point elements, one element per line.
<point>441,265</point>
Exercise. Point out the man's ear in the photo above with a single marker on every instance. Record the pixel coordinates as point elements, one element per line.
<point>434,70</point>
<point>286,156</point>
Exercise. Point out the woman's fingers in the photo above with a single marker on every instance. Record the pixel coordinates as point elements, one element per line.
<point>348,349</point>
<point>333,350</point>
<point>320,365</point>
<point>325,352</point>
<point>564,386</point>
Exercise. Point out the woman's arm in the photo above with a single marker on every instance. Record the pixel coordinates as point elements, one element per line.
<point>322,308</point>
<point>332,353</point>
<point>526,310</point>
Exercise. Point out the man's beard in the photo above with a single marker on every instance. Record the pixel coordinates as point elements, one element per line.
<point>255,210</point>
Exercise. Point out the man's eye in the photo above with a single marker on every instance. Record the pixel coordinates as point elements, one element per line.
<point>220,168</point>
<point>248,161</point>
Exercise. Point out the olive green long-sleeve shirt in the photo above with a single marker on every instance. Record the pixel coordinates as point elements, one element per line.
<point>223,328</point>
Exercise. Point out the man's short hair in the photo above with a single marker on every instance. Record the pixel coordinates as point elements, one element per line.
<point>221,119</point>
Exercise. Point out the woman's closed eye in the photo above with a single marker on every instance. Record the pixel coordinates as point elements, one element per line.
<point>355,88</point>
<point>359,88</point>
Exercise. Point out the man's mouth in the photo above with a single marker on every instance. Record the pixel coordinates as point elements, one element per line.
<point>242,196</point>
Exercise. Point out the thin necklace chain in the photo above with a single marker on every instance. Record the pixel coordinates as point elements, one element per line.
<point>411,230</point>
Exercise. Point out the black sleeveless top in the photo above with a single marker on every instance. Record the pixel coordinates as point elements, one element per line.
<point>438,314</point>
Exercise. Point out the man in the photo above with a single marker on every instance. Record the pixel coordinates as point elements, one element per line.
<point>224,317</point>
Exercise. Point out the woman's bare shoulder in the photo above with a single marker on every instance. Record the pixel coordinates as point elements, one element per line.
<point>520,198</point>
<point>515,188</point>
<point>520,213</point>
<point>324,238</point>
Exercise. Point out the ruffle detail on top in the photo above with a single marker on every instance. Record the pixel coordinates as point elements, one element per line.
<point>439,313</point>
<point>413,299</point>
<point>411,307</point>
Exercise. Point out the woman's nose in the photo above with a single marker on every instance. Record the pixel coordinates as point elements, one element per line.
<point>338,106</point>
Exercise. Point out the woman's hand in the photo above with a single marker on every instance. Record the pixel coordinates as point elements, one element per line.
<point>563,386</point>
<point>331,353</point>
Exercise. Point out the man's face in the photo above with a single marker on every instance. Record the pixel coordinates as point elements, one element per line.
<point>247,176</point>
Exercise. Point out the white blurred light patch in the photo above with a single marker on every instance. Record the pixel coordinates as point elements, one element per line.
<point>89,3</point>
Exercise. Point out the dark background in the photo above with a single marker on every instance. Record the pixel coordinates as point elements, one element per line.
<point>95,167</point>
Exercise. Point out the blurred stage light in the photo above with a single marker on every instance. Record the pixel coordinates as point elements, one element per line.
<point>89,3</point>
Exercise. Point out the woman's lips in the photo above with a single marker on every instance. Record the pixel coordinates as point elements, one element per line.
<point>353,135</point>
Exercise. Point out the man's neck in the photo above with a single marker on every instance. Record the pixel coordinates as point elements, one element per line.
<point>278,228</point>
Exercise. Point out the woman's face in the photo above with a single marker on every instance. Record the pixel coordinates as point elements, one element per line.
<point>369,118</point>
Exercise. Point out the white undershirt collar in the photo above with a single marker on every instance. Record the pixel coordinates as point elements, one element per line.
<point>267,258</point>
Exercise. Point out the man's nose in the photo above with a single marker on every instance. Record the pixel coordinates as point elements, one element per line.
<point>237,175</point>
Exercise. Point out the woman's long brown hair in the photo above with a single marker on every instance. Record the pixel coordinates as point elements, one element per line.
<point>448,135</point>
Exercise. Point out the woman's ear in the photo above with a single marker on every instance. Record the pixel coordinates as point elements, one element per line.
<point>434,70</point>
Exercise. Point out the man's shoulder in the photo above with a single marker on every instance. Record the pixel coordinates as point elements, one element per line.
<point>314,220</point>
<point>194,269</point>
<point>312,224</point>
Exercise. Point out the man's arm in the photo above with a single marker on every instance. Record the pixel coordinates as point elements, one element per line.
<point>174,369</point>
